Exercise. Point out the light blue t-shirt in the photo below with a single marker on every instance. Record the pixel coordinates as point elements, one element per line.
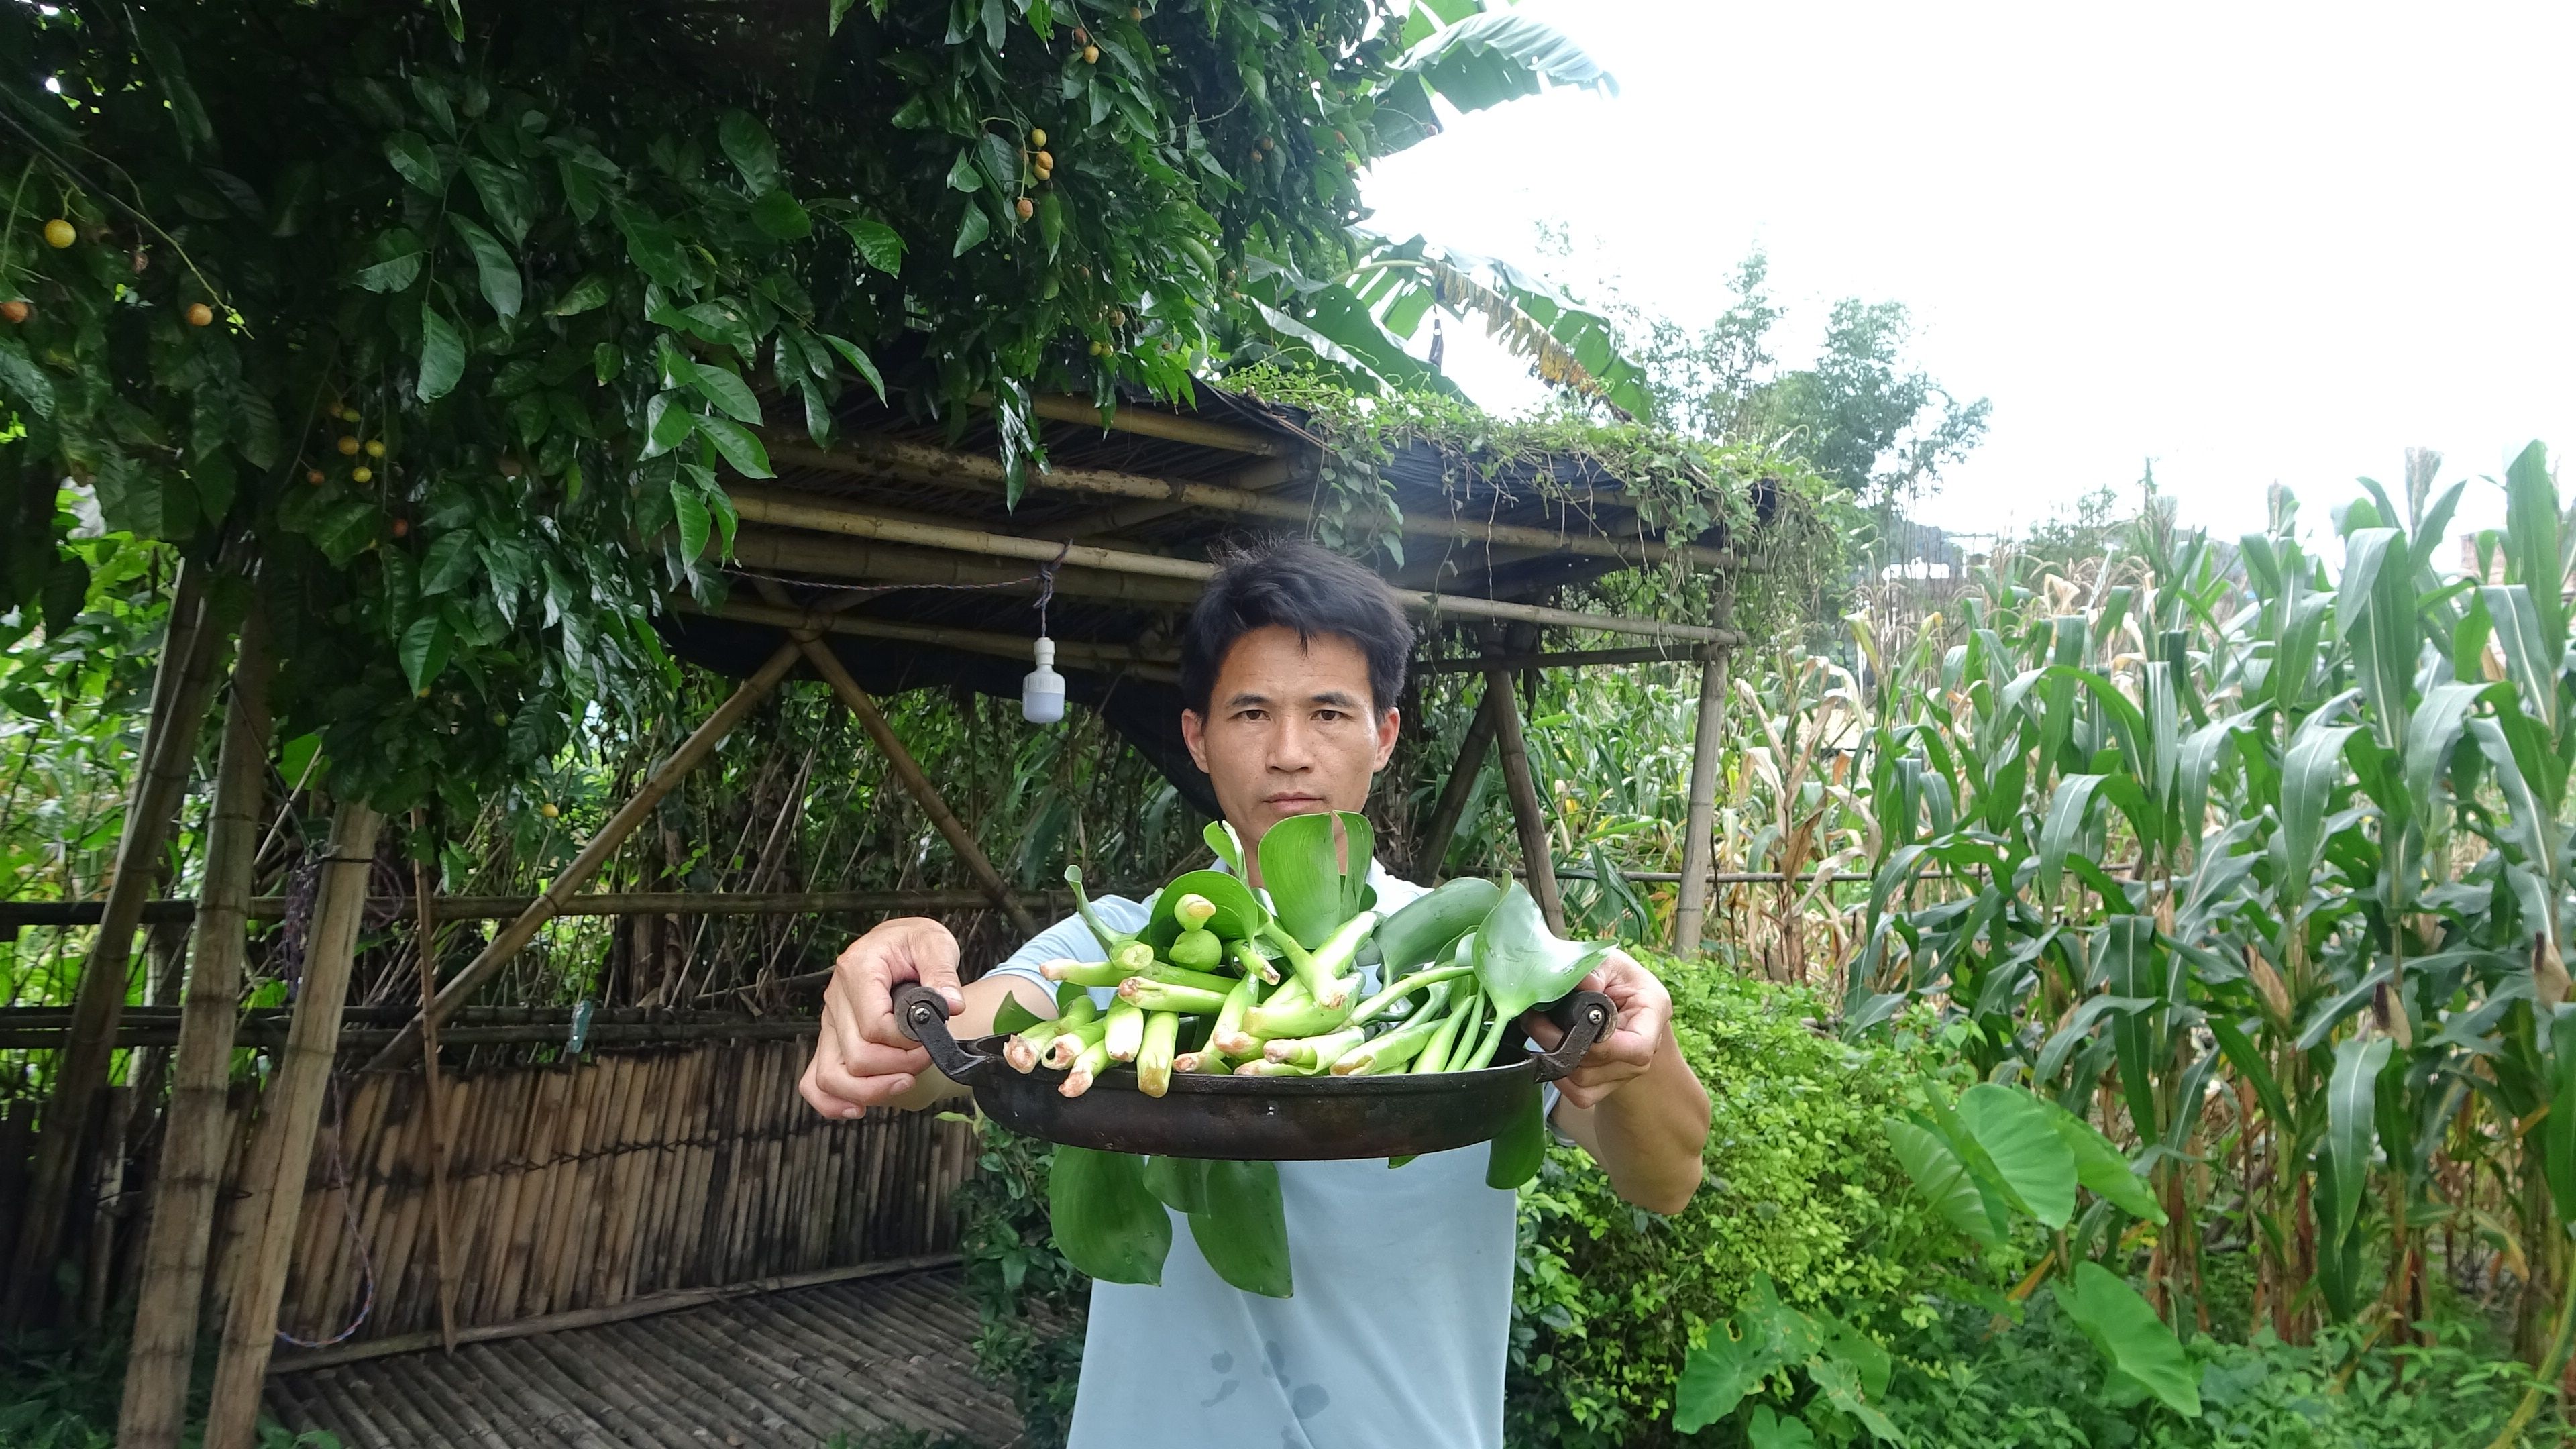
<point>1398,1328</point>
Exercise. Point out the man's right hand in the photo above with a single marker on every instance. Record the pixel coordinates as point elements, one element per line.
<point>861,1057</point>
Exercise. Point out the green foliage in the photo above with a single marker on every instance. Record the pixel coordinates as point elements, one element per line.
<point>1801,1190</point>
<point>1030,1300</point>
<point>54,1396</point>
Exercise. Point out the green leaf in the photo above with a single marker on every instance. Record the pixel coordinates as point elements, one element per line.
<point>748,145</point>
<point>1243,1231</point>
<point>495,268</point>
<point>509,198</point>
<point>2310,769</point>
<point>689,512</point>
<point>739,447</point>
<point>1179,1183</point>
<point>1768,1430</point>
<point>1220,838</point>
<point>1517,1152</point>
<point>782,216</point>
<point>726,391</point>
<point>395,260</point>
<point>2533,556</point>
<point>1719,1373</point>
<point>2035,1164</point>
<point>22,382</point>
<point>1103,1219</point>
<point>2558,1129</point>
<point>1521,963</point>
<point>972,228</point>
<point>442,355</point>
<point>2351,1126</point>
<point>859,363</point>
<point>667,423</point>
<point>650,245</point>
<point>450,562</point>
<point>1944,1180</point>
<point>415,161</point>
<point>2101,1167</point>
<point>2130,1336</point>
<point>423,651</point>
<point>2068,811</point>
<point>588,294</point>
<point>840,8</point>
<point>880,245</point>
<point>1239,915</point>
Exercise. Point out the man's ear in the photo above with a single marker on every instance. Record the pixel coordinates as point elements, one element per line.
<point>1194,735</point>
<point>1390,725</point>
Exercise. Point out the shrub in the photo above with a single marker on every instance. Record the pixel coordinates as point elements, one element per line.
<point>1800,1185</point>
<point>1030,1300</point>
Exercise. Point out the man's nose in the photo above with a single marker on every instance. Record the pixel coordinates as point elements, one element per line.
<point>1292,748</point>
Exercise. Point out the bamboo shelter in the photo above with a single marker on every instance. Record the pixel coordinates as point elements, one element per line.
<point>430,1164</point>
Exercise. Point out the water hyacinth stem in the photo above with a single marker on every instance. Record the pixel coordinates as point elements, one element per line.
<point>1154,1057</point>
<point>1086,1068</point>
<point>1126,1034</point>
<point>1163,996</point>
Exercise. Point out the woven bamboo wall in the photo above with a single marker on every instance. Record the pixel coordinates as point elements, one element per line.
<point>585,1186</point>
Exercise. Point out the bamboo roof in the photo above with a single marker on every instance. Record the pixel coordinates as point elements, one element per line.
<point>898,542</point>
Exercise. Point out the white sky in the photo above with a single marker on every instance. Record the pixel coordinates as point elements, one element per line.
<point>2256,243</point>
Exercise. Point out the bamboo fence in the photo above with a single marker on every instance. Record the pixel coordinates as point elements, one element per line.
<point>588,1185</point>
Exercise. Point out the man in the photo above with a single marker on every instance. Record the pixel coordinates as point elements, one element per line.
<point>1290,669</point>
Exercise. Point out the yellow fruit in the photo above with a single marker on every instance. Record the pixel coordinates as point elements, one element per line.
<point>375,448</point>
<point>199,314</point>
<point>1135,12</point>
<point>549,810</point>
<point>510,468</point>
<point>348,447</point>
<point>313,476</point>
<point>59,234</point>
<point>1099,349</point>
<point>1091,55</point>
<point>362,474</point>
<point>423,694</point>
<point>1024,209</point>
<point>1045,162</point>
<point>14,311</point>
<point>1037,135</point>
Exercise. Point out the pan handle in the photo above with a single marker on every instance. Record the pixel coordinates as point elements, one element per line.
<point>1585,1017</point>
<point>923,1015</point>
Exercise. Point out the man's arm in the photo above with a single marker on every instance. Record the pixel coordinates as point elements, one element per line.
<point>1634,1104</point>
<point>983,1002</point>
<point>862,1059</point>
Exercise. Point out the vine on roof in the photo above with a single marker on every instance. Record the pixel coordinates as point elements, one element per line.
<point>1775,511</point>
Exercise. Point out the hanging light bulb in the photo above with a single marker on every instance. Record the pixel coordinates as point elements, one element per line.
<point>1042,692</point>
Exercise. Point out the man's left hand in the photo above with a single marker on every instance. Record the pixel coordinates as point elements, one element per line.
<point>1637,1032</point>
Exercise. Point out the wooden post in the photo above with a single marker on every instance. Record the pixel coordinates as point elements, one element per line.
<point>666,776</point>
<point>1698,842</point>
<point>433,1096</point>
<point>180,688</point>
<point>1433,850</point>
<point>294,1103</point>
<point>193,1138</point>
<point>1538,855</point>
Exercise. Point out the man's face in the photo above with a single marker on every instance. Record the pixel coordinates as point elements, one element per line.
<point>1289,729</point>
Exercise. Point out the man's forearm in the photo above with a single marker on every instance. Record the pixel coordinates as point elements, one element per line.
<point>1649,1134</point>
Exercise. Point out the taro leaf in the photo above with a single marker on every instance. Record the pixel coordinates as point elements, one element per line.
<point>1944,1181</point>
<point>1011,1016</point>
<point>1519,961</point>
<point>1180,1183</point>
<point>1243,1233</point>
<point>1516,1154</point>
<point>1717,1376</point>
<point>2036,1165</point>
<point>1238,917</point>
<point>1301,866</point>
<point>1103,1219</point>
<point>1768,1430</point>
<point>2102,1167</point>
<point>2130,1336</point>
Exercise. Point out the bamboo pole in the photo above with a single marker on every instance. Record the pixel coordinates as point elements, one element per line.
<point>1538,855</point>
<point>889,458</point>
<point>791,510</point>
<point>797,551</point>
<point>507,942</point>
<point>908,770</point>
<point>1152,423</point>
<point>1567,659</point>
<point>1433,852</point>
<point>182,686</point>
<point>1699,844</point>
<point>597,903</point>
<point>434,1099</point>
<point>194,1135</point>
<point>1073,652</point>
<point>295,1098</point>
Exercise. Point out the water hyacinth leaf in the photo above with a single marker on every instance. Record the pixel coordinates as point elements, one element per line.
<point>1312,892</point>
<point>1433,922</point>
<point>1103,1218</point>
<point>2036,1166</point>
<point>2130,1337</point>
<point>1239,916</point>
<point>1523,964</point>
<point>1243,1230</point>
<point>1515,1156</point>
<point>1943,1178</point>
<point>1179,1182</point>
<point>1013,1016</point>
<point>1220,837</point>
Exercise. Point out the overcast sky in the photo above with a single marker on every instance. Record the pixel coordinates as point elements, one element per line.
<point>2255,243</point>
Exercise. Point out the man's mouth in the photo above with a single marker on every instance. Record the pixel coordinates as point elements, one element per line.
<point>1297,802</point>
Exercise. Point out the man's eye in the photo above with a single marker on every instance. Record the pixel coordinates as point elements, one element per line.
<point>1328,714</point>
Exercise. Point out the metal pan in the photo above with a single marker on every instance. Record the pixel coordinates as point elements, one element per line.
<point>1258,1118</point>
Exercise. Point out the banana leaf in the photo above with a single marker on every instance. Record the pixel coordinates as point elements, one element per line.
<point>1312,890</point>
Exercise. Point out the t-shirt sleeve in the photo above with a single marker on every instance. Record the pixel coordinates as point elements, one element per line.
<point>1070,938</point>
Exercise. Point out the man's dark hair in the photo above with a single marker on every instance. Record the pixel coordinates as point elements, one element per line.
<point>1298,585</point>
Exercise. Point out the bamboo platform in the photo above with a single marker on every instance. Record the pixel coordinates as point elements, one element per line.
<point>791,1368</point>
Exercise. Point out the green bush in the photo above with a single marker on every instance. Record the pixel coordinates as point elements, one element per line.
<point>1800,1185</point>
<point>1030,1300</point>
